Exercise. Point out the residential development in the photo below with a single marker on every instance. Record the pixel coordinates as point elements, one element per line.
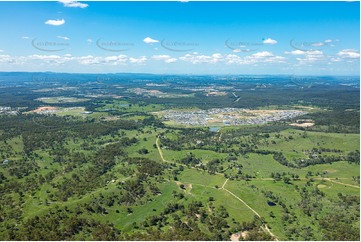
<point>229,116</point>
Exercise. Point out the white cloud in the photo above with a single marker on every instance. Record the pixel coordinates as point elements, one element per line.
<point>275,59</point>
<point>25,37</point>
<point>165,58</point>
<point>108,60</point>
<point>89,60</point>
<point>296,52</point>
<point>170,60</point>
<point>161,57</point>
<point>308,52</point>
<point>328,41</point>
<point>6,59</point>
<point>233,59</point>
<point>139,60</point>
<point>317,44</point>
<point>311,56</point>
<point>335,59</point>
<point>82,60</point>
<point>63,37</point>
<point>149,40</point>
<point>217,56</point>
<point>263,54</point>
<point>260,57</point>
<point>199,59</point>
<point>270,41</point>
<point>73,4</point>
<point>349,54</point>
<point>314,52</point>
<point>57,22</point>
<point>51,59</point>
<point>1,51</point>
<point>111,58</point>
<point>263,57</point>
<point>116,60</point>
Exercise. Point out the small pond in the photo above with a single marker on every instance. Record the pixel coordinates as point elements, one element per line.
<point>271,203</point>
<point>214,129</point>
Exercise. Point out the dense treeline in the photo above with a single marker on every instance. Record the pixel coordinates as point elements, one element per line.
<point>336,121</point>
<point>333,96</point>
<point>61,224</point>
<point>42,132</point>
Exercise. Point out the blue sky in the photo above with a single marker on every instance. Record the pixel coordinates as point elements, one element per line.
<point>303,38</point>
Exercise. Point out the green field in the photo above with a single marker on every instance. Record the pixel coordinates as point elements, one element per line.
<point>127,107</point>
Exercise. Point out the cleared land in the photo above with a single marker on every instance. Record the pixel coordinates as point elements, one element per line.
<point>55,100</point>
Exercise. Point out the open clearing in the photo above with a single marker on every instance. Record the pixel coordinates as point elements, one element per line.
<point>304,125</point>
<point>55,100</point>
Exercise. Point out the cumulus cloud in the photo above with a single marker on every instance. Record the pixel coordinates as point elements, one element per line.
<point>199,59</point>
<point>161,57</point>
<point>89,60</point>
<point>269,41</point>
<point>263,54</point>
<point>51,59</point>
<point>233,59</point>
<point>335,59</point>
<point>165,58</point>
<point>314,52</point>
<point>139,60</point>
<point>57,22</point>
<point>82,60</point>
<point>149,40</point>
<point>170,60</point>
<point>110,60</point>
<point>73,4</point>
<point>63,37</point>
<point>6,59</point>
<point>328,41</point>
<point>308,56</point>
<point>296,52</point>
<point>263,57</point>
<point>217,56</point>
<point>311,56</point>
<point>259,57</point>
<point>349,54</point>
<point>97,60</point>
